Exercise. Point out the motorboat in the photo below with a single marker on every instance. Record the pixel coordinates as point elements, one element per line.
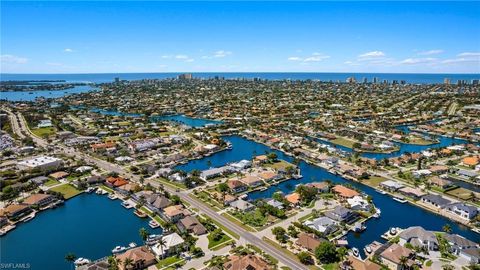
<point>90,189</point>
<point>81,261</point>
<point>127,205</point>
<point>140,214</point>
<point>99,191</point>
<point>393,231</point>
<point>297,176</point>
<point>377,213</point>
<point>355,252</point>
<point>112,197</point>
<point>368,249</point>
<point>132,245</point>
<point>359,227</point>
<point>29,217</point>
<point>153,224</point>
<point>118,249</point>
<point>383,192</point>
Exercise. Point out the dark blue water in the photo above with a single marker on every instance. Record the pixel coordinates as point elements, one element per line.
<point>109,77</point>
<point>88,225</point>
<point>26,96</point>
<point>393,213</point>
<point>186,120</point>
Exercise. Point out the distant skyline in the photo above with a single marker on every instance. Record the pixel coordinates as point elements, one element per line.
<point>122,37</point>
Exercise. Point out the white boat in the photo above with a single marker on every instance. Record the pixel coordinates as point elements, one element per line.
<point>29,217</point>
<point>118,249</point>
<point>297,176</point>
<point>359,227</point>
<point>381,191</point>
<point>400,200</point>
<point>153,224</point>
<point>81,261</point>
<point>90,189</point>
<point>355,252</point>
<point>127,205</point>
<point>112,196</point>
<point>377,213</point>
<point>99,191</point>
<point>393,231</point>
<point>132,245</point>
<point>368,249</point>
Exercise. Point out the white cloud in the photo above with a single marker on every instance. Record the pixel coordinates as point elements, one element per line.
<point>469,54</point>
<point>372,54</point>
<point>181,56</point>
<point>8,58</point>
<point>166,56</point>
<point>68,50</point>
<point>221,54</point>
<point>294,58</point>
<point>430,52</point>
<point>418,61</point>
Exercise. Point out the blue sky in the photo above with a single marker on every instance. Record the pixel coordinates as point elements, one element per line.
<point>91,37</point>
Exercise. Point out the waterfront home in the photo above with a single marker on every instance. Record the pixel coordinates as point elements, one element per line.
<point>320,186</point>
<point>438,169</point>
<point>242,205</point>
<point>214,172</point>
<point>141,145</point>
<point>141,258</point>
<point>241,165</point>
<point>358,264</point>
<point>3,220</point>
<point>16,211</point>
<point>392,254</point>
<point>413,193</point>
<point>177,177</point>
<point>464,211</point>
<point>173,244</point>
<point>95,180</point>
<point>83,169</point>
<point>344,192</point>
<point>440,182</point>
<point>471,161</point>
<point>42,163</point>
<point>192,225</point>
<point>58,175</point>
<point>251,180</point>
<point>228,199</point>
<point>249,262</point>
<point>342,214</point>
<point>358,203</point>
<point>293,198</point>
<point>128,188</point>
<point>236,186</point>
<point>115,181</point>
<point>260,159</point>
<point>419,237</point>
<point>308,241</point>
<point>458,243</point>
<point>391,185</point>
<point>39,200</point>
<point>275,203</point>
<point>472,255</point>
<point>107,146</point>
<point>324,225</point>
<point>421,173</point>
<point>435,200</point>
<point>101,264</point>
<point>467,174</point>
<point>269,176</point>
<point>174,213</point>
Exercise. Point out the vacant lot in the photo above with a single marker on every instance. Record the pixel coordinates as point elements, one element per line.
<point>67,190</point>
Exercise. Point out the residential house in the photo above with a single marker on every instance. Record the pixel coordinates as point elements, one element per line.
<point>58,175</point>
<point>251,180</point>
<point>440,182</point>
<point>435,200</point>
<point>236,186</point>
<point>275,203</point>
<point>320,186</point>
<point>308,241</point>
<point>458,243</point>
<point>173,244</point>
<point>390,185</point>
<point>342,214</point>
<point>246,262</point>
<point>269,176</point>
<point>358,264</point>
<point>324,225</point>
<point>413,193</point>
<point>358,203</point>
<point>16,211</point>
<point>174,213</point>
<point>419,237</point>
<point>141,258</point>
<point>242,205</point>
<point>391,256</point>
<point>192,225</point>
<point>116,181</point>
<point>344,192</point>
<point>39,200</point>
<point>466,212</point>
<point>293,198</point>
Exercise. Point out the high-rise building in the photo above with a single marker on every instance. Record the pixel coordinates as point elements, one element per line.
<point>475,82</point>
<point>351,80</point>
<point>365,80</point>
<point>185,76</point>
<point>446,81</point>
<point>375,80</point>
<point>117,79</point>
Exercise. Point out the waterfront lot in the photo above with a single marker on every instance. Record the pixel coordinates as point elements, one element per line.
<point>67,190</point>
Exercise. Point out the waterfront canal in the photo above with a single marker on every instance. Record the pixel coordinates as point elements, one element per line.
<point>394,214</point>
<point>186,120</point>
<point>88,225</point>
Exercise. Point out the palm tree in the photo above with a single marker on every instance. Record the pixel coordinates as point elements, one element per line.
<point>447,267</point>
<point>70,257</point>
<point>113,263</point>
<point>127,263</point>
<point>162,244</point>
<point>447,228</point>
<point>403,262</point>
<point>143,234</point>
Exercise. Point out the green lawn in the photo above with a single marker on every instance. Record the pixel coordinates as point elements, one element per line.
<point>280,165</point>
<point>51,182</point>
<point>43,132</point>
<point>168,261</point>
<point>461,193</point>
<point>212,243</point>
<point>67,190</point>
<point>248,217</point>
<point>171,184</point>
<point>107,189</point>
<point>374,180</point>
<point>344,142</point>
<point>225,229</point>
<point>330,266</point>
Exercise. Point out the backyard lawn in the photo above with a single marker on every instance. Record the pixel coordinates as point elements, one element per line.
<point>168,261</point>
<point>374,180</point>
<point>51,182</point>
<point>215,242</point>
<point>344,142</point>
<point>67,190</point>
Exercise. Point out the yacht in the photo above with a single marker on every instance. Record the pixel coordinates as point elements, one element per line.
<point>400,200</point>
<point>112,197</point>
<point>393,231</point>
<point>29,217</point>
<point>377,213</point>
<point>383,192</point>
<point>90,189</point>
<point>359,227</point>
<point>81,261</point>
<point>118,249</point>
<point>153,224</point>
<point>368,249</point>
<point>126,205</point>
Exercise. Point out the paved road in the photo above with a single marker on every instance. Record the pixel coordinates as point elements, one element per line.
<point>244,235</point>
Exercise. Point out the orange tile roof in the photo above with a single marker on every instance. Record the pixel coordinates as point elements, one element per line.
<point>293,198</point>
<point>344,191</point>
<point>471,161</point>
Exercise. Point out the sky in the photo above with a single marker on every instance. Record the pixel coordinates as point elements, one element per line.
<point>103,37</point>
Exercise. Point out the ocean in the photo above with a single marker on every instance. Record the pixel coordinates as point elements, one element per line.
<point>109,77</point>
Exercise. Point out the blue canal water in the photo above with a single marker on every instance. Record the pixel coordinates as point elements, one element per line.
<point>26,96</point>
<point>109,77</point>
<point>88,225</point>
<point>393,212</point>
<point>186,120</point>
